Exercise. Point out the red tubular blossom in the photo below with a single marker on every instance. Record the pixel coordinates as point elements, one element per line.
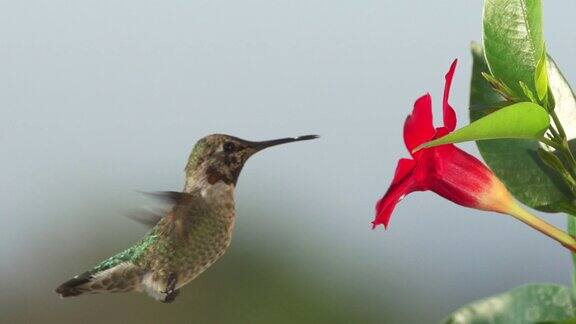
<point>446,170</point>
<point>451,173</point>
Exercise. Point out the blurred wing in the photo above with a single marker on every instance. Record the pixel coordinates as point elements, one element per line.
<point>146,217</point>
<point>151,218</point>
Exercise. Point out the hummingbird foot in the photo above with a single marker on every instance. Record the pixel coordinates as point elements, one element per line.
<point>171,291</point>
<point>171,296</point>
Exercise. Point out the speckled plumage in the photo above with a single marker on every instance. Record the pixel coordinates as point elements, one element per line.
<point>190,237</point>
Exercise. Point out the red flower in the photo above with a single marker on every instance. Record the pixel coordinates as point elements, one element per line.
<point>452,173</point>
<point>445,170</point>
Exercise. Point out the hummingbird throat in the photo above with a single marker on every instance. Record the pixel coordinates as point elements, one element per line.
<point>209,180</point>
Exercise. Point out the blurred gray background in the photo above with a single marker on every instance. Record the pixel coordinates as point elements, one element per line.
<point>100,99</point>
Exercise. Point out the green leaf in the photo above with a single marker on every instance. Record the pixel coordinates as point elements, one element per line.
<point>516,161</point>
<point>500,87</point>
<point>568,321</point>
<point>541,77</point>
<point>563,97</point>
<point>554,162</point>
<point>532,303</point>
<point>521,120</point>
<point>514,42</point>
<point>527,92</point>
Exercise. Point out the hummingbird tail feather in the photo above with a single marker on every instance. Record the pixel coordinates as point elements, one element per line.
<point>71,288</point>
<point>123,277</point>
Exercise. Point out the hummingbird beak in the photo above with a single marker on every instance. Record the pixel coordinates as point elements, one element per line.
<point>258,146</point>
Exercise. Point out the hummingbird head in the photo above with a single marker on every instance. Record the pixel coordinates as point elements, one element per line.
<point>220,157</point>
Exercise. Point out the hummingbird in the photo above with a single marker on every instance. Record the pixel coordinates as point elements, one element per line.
<point>190,236</point>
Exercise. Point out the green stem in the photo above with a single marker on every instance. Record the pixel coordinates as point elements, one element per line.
<point>558,124</point>
<point>554,132</point>
<point>551,143</point>
<point>563,138</point>
<point>571,168</point>
<point>570,156</point>
<point>572,232</point>
<point>544,227</point>
<point>560,142</point>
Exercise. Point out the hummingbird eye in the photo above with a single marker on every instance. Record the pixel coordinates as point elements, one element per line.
<point>229,147</point>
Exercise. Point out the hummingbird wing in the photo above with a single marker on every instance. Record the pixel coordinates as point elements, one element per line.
<point>170,197</point>
<point>151,218</point>
<point>146,217</point>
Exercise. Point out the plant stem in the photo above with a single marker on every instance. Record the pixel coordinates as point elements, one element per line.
<point>560,143</point>
<point>551,143</point>
<point>571,168</point>
<point>569,154</point>
<point>554,132</point>
<point>572,232</point>
<point>544,227</point>
<point>558,124</point>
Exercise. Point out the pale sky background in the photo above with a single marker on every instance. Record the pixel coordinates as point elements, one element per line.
<point>100,99</point>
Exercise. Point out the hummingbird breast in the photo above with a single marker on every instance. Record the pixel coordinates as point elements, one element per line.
<point>191,237</point>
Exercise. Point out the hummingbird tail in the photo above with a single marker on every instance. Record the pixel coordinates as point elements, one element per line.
<point>72,287</point>
<point>123,277</point>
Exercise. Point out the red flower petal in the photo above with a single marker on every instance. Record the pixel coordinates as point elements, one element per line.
<point>467,181</point>
<point>419,127</point>
<point>448,111</point>
<point>455,175</point>
<point>404,168</point>
<point>402,185</point>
